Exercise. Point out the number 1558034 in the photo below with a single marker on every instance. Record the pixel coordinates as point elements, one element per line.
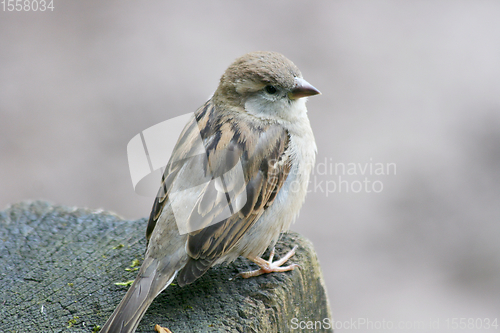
<point>27,5</point>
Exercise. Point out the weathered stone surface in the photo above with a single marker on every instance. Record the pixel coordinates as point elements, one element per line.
<point>59,266</point>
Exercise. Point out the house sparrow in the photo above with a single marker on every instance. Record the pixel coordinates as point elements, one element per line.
<point>256,117</point>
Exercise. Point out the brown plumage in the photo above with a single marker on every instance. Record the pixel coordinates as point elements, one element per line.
<point>254,119</point>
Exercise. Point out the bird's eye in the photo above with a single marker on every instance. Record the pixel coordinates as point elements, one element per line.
<point>271,89</point>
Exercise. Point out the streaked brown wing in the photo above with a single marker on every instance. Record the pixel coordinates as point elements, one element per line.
<point>262,151</point>
<point>185,146</point>
<point>266,167</point>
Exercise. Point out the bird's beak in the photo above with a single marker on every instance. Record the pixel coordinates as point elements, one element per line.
<point>302,88</point>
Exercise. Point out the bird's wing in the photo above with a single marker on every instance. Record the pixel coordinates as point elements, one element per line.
<point>187,145</point>
<point>260,151</point>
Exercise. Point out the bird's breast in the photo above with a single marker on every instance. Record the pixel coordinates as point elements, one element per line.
<point>282,213</point>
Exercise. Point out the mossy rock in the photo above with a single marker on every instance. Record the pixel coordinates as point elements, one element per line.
<point>60,267</point>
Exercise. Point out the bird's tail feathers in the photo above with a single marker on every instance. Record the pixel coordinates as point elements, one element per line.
<point>154,276</point>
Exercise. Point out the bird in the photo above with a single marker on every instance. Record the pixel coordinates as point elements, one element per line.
<point>257,120</point>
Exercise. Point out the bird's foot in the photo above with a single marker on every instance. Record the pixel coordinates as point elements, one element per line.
<point>268,266</point>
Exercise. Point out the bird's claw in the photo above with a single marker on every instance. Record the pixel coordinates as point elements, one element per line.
<point>268,266</point>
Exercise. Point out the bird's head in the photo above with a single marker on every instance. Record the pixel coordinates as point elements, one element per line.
<point>265,84</point>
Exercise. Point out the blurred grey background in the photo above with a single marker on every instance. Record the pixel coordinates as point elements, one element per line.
<point>414,83</point>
